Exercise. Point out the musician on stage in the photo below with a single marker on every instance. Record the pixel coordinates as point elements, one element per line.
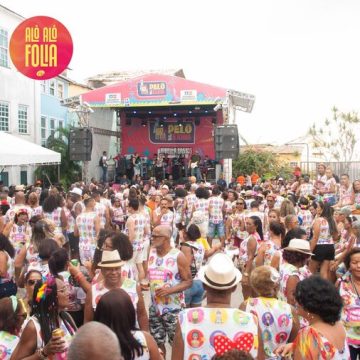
<point>194,165</point>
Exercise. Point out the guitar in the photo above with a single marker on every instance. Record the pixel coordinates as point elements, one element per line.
<point>193,165</point>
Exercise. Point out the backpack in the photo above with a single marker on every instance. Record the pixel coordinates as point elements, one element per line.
<point>101,161</point>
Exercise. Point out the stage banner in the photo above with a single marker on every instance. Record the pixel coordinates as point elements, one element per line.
<point>172,133</point>
<point>170,138</point>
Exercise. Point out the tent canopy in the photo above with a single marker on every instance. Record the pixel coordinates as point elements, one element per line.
<point>154,90</point>
<point>15,151</point>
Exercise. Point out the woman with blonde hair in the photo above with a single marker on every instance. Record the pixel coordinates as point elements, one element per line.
<point>277,319</point>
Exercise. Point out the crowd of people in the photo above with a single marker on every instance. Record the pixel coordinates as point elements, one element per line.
<point>74,267</point>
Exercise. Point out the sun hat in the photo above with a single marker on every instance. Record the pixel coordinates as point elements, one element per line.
<point>165,187</point>
<point>111,259</point>
<point>220,273</point>
<point>299,245</point>
<point>19,188</point>
<point>76,191</point>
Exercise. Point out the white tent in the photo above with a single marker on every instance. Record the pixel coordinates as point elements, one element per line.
<point>15,151</point>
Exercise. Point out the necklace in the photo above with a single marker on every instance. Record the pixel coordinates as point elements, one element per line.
<point>354,286</point>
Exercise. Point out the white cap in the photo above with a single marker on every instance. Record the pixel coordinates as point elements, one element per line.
<point>76,191</point>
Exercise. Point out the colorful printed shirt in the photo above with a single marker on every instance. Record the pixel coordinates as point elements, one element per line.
<point>98,290</point>
<point>305,221</point>
<point>243,251</point>
<point>190,200</point>
<point>139,230</point>
<point>202,327</point>
<point>10,270</point>
<point>164,272</point>
<point>346,195</point>
<point>350,315</point>
<point>314,346</point>
<point>19,234</point>
<point>8,343</point>
<point>275,321</point>
<point>216,205</point>
<point>55,217</point>
<point>270,250</point>
<point>324,236</point>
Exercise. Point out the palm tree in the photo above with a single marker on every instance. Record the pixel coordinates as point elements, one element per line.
<point>70,171</point>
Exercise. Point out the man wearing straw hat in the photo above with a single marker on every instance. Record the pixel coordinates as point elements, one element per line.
<point>216,328</point>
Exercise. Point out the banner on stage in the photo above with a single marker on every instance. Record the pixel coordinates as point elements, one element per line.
<point>175,152</point>
<point>172,133</point>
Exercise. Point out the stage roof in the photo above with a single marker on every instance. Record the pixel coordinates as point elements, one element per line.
<point>154,90</point>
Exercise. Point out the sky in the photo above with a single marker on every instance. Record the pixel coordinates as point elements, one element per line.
<point>298,57</point>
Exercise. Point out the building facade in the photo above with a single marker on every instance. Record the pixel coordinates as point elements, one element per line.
<point>19,100</point>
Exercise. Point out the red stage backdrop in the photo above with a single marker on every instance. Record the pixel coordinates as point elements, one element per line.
<point>171,138</point>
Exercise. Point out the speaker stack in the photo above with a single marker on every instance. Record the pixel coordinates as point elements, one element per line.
<point>226,142</point>
<point>80,144</point>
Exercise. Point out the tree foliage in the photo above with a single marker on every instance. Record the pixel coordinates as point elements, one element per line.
<point>337,135</point>
<point>264,163</point>
<point>70,171</point>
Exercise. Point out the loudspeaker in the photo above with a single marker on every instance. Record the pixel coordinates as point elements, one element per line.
<point>80,144</point>
<point>226,142</point>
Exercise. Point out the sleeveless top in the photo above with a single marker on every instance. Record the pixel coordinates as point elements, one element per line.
<point>235,225</point>
<point>139,230</point>
<point>200,327</point>
<point>10,270</point>
<point>167,219</point>
<point>8,343</point>
<point>346,195</point>
<point>275,321</point>
<point>118,214</point>
<point>309,342</point>
<point>19,234</point>
<point>179,210</point>
<point>305,221</point>
<point>202,205</point>
<point>86,226</point>
<point>39,339</point>
<point>70,220</point>
<point>164,272</point>
<point>55,217</point>
<point>190,200</point>
<point>350,314</point>
<point>270,250</point>
<point>100,210</point>
<point>37,211</point>
<point>325,237</point>
<point>216,205</point>
<point>140,337</point>
<point>99,289</point>
<point>243,255</point>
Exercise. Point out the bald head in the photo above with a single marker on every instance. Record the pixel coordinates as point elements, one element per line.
<point>94,341</point>
<point>19,198</point>
<point>163,230</point>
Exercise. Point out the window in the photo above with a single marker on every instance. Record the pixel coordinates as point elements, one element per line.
<point>43,131</point>
<point>60,88</point>
<point>61,124</point>
<point>22,116</point>
<point>52,126</point>
<point>4,177</point>
<point>4,48</point>
<point>4,116</point>
<point>52,87</point>
<point>43,86</point>
<point>23,177</point>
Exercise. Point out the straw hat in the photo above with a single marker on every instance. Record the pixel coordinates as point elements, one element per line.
<point>76,191</point>
<point>220,273</point>
<point>299,245</point>
<point>111,259</point>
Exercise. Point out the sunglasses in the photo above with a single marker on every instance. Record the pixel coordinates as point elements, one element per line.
<point>32,282</point>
